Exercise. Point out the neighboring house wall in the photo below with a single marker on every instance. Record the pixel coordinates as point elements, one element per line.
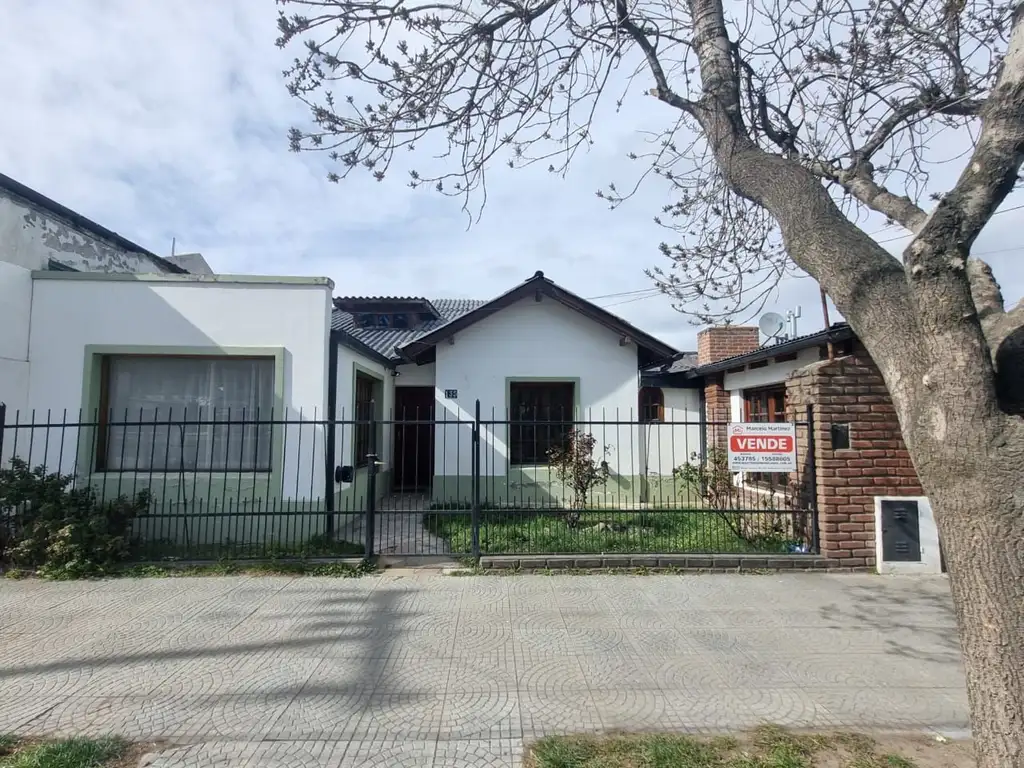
<point>77,319</point>
<point>30,236</point>
<point>351,497</point>
<point>535,341</point>
<point>15,314</point>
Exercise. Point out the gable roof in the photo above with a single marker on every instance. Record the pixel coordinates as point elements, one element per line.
<point>27,193</point>
<point>417,348</point>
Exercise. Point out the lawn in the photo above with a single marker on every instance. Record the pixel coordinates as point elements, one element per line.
<point>69,753</point>
<point>767,747</point>
<point>545,531</point>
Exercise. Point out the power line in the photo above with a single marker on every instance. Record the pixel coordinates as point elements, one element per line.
<point>911,234</point>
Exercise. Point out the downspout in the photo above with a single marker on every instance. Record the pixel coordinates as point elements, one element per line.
<point>332,405</point>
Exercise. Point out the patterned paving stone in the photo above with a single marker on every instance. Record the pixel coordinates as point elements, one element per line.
<point>549,713</point>
<point>399,671</point>
<point>493,753</point>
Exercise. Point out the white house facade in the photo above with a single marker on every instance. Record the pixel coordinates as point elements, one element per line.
<point>209,392</point>
<point>539,362</point>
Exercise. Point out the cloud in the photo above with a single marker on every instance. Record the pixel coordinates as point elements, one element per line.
<point>168,120</point>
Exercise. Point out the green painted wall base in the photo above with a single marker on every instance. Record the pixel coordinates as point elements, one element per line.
<point>539,486</point>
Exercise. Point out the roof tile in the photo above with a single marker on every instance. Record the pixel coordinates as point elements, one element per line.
<point>384,340</point>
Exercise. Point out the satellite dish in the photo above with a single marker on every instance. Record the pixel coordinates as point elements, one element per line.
<point>771,323</point>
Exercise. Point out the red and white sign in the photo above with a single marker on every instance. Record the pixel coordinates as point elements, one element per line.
<point>762,447</point>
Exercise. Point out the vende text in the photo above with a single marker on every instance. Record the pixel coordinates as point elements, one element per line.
<point>743,444</point>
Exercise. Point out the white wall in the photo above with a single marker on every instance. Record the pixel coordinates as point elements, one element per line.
<point>535,339</point>
<point>15,317</point>
<point>70,311</point>
<point>349,362</point>
<point>670,443</point>
<point>415,375</point>
<point>773,373</point>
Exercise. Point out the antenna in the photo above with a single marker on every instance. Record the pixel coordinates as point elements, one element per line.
<point>792,315</point>
<point>771,324</point>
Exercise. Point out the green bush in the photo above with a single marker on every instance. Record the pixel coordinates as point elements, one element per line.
<point>60,531</point>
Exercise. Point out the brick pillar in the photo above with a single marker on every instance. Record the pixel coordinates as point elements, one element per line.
<point>850,391</point>
<point>716,409</point>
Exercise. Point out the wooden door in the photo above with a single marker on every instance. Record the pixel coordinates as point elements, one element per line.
<point>414,438</point>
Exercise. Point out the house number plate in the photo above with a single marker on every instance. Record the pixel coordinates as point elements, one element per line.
<point>451,394</point>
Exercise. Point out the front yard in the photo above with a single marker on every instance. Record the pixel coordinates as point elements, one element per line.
<point>549,531</point>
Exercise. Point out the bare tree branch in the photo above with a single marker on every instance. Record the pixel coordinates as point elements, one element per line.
<point>860,184</point>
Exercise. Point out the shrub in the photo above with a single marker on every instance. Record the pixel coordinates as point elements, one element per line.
<point>767,522</point>
<point>575,466</point>
<point>58,530</point>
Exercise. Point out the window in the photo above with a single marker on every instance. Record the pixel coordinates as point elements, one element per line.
<point>367,400</point>
<point>652,405</point>
<point>540,418</point>
<point>383,320</point>
<point>768,404</point>
<point>170,414</point>
<point>765,404</point>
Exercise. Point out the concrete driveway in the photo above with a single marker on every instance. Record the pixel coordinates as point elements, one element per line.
<point>428,670</point>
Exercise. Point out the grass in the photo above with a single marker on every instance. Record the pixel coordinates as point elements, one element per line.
<point>766,747</point>
<point>68,753</point>
<point>230,568</point>
<point>227,568</point>
<point>545,531</point>
<point>315,546</point>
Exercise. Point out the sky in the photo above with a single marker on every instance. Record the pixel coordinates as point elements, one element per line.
<point>167,120</point>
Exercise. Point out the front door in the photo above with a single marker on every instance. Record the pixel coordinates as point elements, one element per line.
<point>414,438</point>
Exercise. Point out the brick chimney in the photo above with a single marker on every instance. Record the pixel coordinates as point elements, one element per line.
<point>722,341</point>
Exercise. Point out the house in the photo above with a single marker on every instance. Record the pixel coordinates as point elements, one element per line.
<point>871,511</point>
<point>537,361</point>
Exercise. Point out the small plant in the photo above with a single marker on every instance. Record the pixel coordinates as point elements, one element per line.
<point>60,531</point>
<point>576,468</point>
<point>767,525</point>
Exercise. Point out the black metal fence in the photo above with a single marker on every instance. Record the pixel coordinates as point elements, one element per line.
<point>234,484</point>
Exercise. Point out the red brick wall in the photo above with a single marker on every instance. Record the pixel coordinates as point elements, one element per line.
<point>714,344</point>
<point>716,409</point>
<point>850,390</point>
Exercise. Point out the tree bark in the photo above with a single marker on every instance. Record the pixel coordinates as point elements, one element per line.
<point>981,522</point>
<point>923,330</point>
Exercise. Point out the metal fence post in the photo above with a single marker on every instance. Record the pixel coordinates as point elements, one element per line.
<point>812,468</point>
<point>371,482</point>
<point>475,513</point>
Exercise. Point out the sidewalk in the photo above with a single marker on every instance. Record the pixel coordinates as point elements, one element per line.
<point>389,670</point>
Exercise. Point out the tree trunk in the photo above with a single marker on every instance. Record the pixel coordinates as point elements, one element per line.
<point>968,453</point>
<point>981,522</point>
